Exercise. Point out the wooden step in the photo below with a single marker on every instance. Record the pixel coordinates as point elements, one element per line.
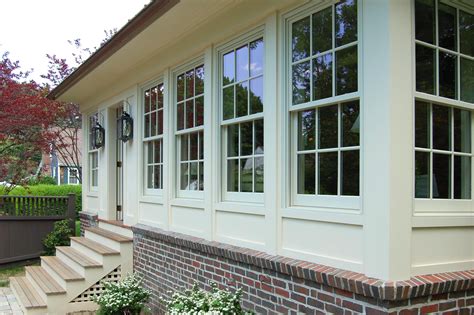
<point>44,280</point>
<point>96,247</point>
<point>26,293</point>
<point>78,257</point>
<point>110,235</point>
<point>63,270</point>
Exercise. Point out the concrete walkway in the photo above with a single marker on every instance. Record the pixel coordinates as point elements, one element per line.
<point>8,303</point>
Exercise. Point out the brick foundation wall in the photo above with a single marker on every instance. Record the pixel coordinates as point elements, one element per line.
<point>275,284</point>
<point>87,219</point>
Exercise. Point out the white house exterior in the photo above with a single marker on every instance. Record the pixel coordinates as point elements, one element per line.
<point>336,133</point>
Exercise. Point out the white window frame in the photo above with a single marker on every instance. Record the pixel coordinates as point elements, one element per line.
<point>69,170</point>
<point>145,140</point>
<point>91,153</point>
<point>427,206</point>
<point>178,192</point>
<point>226,196</point>
<point>336,203</point>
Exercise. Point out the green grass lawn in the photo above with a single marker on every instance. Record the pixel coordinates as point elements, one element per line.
<point>78,228</point>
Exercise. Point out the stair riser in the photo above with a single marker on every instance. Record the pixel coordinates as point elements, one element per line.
<point>116,229</point>
<point>103,240</point>
<point>88,252</point>
<point>53,274</point>
<point>71,263</point>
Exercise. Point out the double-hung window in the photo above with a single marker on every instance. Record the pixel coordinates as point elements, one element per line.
<point>444,64</point>
<point>190,130</point>
<point>93,155</point>
<point>324,106</point>
<point>153,137</point>
<point>242,122</point>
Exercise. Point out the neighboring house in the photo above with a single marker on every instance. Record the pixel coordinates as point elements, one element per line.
<point>317,154</point>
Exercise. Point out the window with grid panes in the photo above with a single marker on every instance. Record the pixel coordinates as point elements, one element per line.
<point>242,116</point>
<point>93,154</point>
<point>153,136</point>
<point>190,128</point>
<point>325,132</point>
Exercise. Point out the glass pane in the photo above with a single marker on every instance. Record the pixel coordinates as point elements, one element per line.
<point>258,137</point>
<point>327,173</point>
<point>199,107</point>
<point>229,70</point>
<point>346,70</point>
<point>228,101</point>
<point>147,125</point>
<point>153,98</point>
<point>466,33</point>
<point>95,160</point>
<point>160,122</point>
<point>301,83</point>
<point>256,95</point>
<point>467,80</point>
<point>462,177</point>
<point>201,176</point>
<point>350,124</point>
<point>447,30</point>
<point>425,69</point>
<point>189,114</point>
<point>422,125</point>
<point>422,175</point>
<point>241,98</point>
<point>201,145</point>
<point>441,127</point>
<point>256,57</point>
<point>184,176</point>
<point>322,77</point>
<point>160,95</point>
<point>233,140</point>
<point>246,137</point>
<point>193,176</point>
<point>327,123</point>
<point>157,151</point>
<point>193,146</point>
<point>425,20</point>
<point>233,175</point>
<point>441,176</point>
<point>462,130</point>
<point>346,22</point>
<point>350,173</point>
<point>306,174</point>
<point>300,42</point>
<point>147,101</point>
<point>157,177</point>
<point>246,175</point>
<point>306,130</point>
<point>180,116</point>
<point>322,31</point>
<point>153,124</point>
<point>184,148</point>
<point>447,75</point>
<point>242,63</point>
<point>180,88</point>
<point>199,80</point>
<point>150,153</point>
<point>259,169</point>
<point>150,177</point>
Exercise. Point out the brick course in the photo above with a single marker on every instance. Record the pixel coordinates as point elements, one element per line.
<point>171,261</point>
<point>87,219</point>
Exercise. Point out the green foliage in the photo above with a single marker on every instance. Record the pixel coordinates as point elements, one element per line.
<point>43,180</point>
<point>50,190</point>
<point>124,297</point>
<point>58,237</point>
<point>197,301</point>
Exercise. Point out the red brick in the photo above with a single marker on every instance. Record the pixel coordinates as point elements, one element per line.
<point>438,297</point>
<point>279,283</point>
<point>413,311</point>
<point>298,298</point>
<point>447,305</point>
<point>265,279</point>
<point>196,264</point>
<point>282,292</point>
<point>325,297</point>
<point>267,288</point>
<point>301,289</point>
<point>470,302</point>
<point>373,311</point>
<point>352,306</point>
<point>344,293</point>
<point>429,309</point>
<point>461,303</point>
<point>248,281</point>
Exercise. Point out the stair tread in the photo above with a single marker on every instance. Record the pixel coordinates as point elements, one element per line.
<point>44,280</point>
<point>78,257</point>
<point>27,294</point>
<point>96,247</point>
<point>63,270</point>
<point>111,235</point>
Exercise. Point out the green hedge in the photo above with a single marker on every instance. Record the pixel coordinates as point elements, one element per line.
<point>50,190</point>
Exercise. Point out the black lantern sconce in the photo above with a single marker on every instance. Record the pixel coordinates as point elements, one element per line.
<point>98,136</point>
<point>125,127</point>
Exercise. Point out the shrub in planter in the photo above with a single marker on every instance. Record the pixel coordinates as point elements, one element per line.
<point>124,297</point>
<point>198,301</point>
<point>58,237</point>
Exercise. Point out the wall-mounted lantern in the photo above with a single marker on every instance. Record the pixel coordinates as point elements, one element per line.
<point>125,127</point>
<point>98,136</point>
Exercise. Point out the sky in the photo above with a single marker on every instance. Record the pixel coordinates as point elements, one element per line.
<point>30,29</point>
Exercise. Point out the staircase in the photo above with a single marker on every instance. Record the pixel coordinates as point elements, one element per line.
<point>65,283</point>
